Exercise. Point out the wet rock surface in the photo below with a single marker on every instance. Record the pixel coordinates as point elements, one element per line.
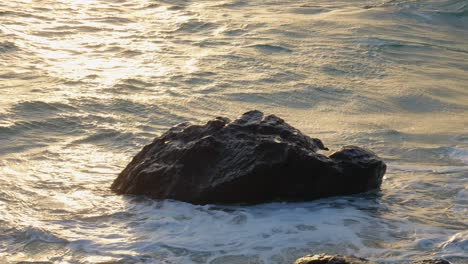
<point>337,259</point>
<point>252,159</point>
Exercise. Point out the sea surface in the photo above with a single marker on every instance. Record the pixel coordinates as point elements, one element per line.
<point>85,84</point>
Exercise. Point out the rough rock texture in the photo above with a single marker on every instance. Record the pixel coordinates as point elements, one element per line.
<point>250,160</point>
<point>331,259</point>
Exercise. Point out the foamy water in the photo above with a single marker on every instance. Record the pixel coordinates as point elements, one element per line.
<point>85,84</point>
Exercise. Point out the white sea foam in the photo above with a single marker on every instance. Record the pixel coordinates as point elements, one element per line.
<point>456,245</point>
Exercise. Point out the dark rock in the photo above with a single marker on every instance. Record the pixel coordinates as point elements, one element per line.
<point>336,259</point>
<point>250,160</point>
<point>331,259</point>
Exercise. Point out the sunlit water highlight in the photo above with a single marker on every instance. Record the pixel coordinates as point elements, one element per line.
<point>85,84</point>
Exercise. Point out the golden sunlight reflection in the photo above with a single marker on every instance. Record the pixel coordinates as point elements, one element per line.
<point>78,200</point>
<point>101,51</point>
<point>79,2</point>
<point>163,14</point>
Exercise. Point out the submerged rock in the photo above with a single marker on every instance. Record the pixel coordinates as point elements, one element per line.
<point>336,259</point>
<point>250,160</point>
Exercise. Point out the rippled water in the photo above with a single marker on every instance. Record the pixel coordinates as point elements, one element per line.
<point>86,83</point>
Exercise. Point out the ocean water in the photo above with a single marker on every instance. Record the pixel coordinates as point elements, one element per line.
<point>84,84</point>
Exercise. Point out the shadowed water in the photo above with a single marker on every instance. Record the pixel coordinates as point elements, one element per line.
<point>85,84</point>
